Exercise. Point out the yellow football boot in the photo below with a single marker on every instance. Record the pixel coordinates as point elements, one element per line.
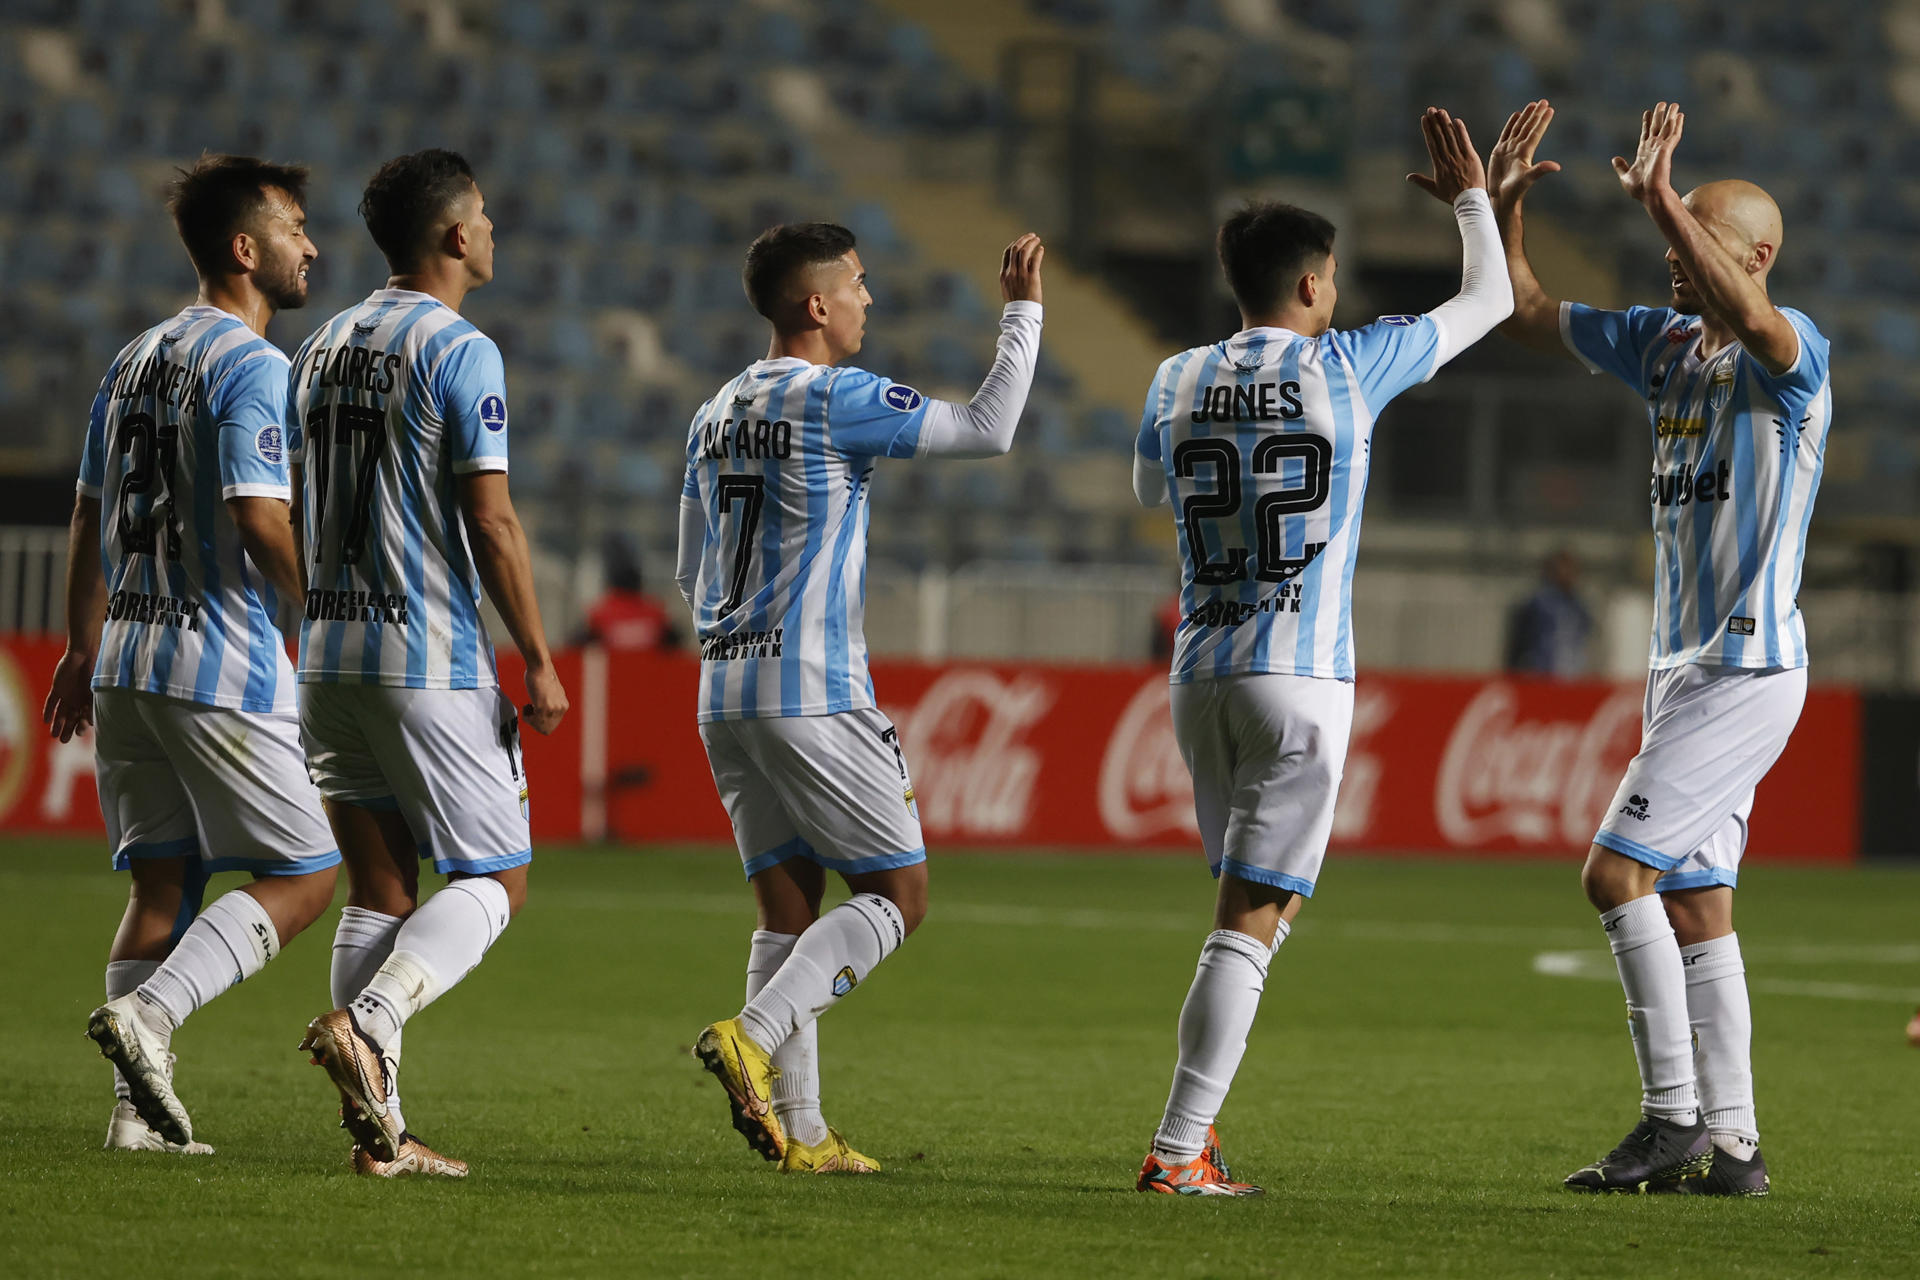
<point>747,1073</point>
<point>831,1156</point>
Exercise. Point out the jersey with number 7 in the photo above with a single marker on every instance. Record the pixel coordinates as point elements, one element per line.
<point>1265,442</point>
<point>391,401</point>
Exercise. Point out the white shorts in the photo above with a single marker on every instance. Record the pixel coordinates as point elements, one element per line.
<point>448,760</point>
<point>1708,735</point>
<point>833,789</point>
<point>1266,753</point>
<point>179,778</point>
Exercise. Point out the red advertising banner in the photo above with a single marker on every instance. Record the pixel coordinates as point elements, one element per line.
<point>1085,757</point>
<point>1081,757</point>
<point>47,786</point>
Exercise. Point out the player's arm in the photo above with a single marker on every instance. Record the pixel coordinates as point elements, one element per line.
<point>1149,484</point>
<point>693,536</point>
<point>1486,295</point>
<point>1511,173</point>
<point>266,531</point>
<point>984,426</point>
<point>505,562</point>
<point>69,705</point>
<point>1721,279</point>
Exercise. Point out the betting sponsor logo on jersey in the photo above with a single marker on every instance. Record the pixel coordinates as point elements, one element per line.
<point>269,444</point>
<point>1402,321</point>
<point>1678,488</point>
<point>903,398</point>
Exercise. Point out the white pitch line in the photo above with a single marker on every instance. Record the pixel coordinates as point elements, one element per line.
<point>1597,966</point>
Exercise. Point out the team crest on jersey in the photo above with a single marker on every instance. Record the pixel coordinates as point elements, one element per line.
<point>493,413</point>
<point>1402,321</point>
<point>1722,390</point>
<point>269,444</point>
<point>903,398</point>
<point>844,981</point>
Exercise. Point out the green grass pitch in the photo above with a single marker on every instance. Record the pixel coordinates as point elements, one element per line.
<point>1414,1090</point>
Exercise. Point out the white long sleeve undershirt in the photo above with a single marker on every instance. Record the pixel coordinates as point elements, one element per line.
<point>1485,299</point>
<point>984,426</point>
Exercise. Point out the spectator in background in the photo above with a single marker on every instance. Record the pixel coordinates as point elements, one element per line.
<point>625,617</point>
<point>1547,633</point>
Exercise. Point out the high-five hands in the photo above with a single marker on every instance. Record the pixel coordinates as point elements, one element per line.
<point>1511,171</point>
<point>1456,165</point>
<point>1651,173</point>
<point>1020,269</point>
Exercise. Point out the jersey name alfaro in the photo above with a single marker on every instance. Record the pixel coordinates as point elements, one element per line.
<point>1265,441</point>
<point>781,462</point>
<point>189,415</point>
<point>391,402</point>
<point>1737,456</point>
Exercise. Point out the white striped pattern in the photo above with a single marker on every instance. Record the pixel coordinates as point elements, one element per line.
<point>191,618</point>
<point>414,548</point>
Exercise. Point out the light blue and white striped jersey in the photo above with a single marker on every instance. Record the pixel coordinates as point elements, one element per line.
<point>1265,440</point>
<point>1737,454</point>
<point>780,461</point>
<point>188,416</point>
<point>392,401</point>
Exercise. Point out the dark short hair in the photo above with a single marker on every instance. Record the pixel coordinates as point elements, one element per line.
<point>222,196</point>
<point>1266,247</point>
<point>782,252</point>
<point>407,196</point>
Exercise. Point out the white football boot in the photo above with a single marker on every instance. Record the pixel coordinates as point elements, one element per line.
<point>126,1131</point>
<point>140,1052</point>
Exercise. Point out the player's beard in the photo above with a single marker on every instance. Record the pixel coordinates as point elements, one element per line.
<point>285,288</point>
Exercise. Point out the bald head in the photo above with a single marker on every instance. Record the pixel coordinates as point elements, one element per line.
<point>1741,217</point>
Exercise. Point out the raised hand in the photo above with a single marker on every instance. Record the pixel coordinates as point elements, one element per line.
<point>1456,165</point>
<point>1020,269</point>
<point>1511,171</point>
<point>1651,173</point>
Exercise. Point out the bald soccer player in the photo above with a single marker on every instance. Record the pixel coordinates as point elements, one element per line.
<point>1740,406</point>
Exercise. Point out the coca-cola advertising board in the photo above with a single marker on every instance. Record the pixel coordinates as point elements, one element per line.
<point>1034,755</point>
<point>1084,757</point>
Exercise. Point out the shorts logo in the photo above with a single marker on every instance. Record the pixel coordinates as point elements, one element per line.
<point>525,807</point>
<point>268,444</point>
<point>1403,322</point>
<point>493,413</point>
<point>844,981</point>
<point>903,398</point>
<point>1636,807</point>
<point>1739,626</point>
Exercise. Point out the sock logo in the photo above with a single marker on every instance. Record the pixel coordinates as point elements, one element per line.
<point>1636,807</point>
<point>844,981</point>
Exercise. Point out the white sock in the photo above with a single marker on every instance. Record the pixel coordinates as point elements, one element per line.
<point>124,976</point>
<point>1648,957</point>
<point>439,944</point>
<point>1722,1022</point>
<point>796,1093</point>
<point>361,944</point>
<point>1214,1023</point>
<point>231,941</point>
<point>833,956</point>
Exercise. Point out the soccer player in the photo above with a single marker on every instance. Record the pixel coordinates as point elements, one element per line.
<point>1262,443</point>
<point>773,553</point>
<point>398,430</point>
<point>1737,394</point>
<point>173,654</point>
